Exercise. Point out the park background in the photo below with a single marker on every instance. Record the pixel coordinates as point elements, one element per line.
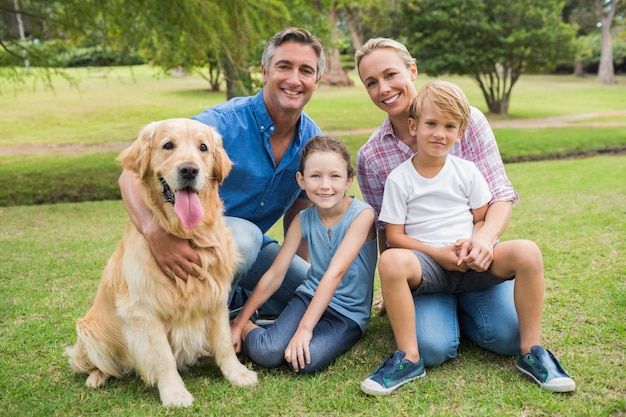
<point>562,138</point>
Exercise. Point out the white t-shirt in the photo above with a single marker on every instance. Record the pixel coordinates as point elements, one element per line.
<point>435,211</point>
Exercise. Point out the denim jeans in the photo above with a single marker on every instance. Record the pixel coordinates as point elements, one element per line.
<point>256,259</point>
<point>333,335</point>
<point>487,317</point>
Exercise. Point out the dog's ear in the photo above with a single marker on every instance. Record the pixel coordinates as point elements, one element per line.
<point>137,156</point>
<point>223,164</point>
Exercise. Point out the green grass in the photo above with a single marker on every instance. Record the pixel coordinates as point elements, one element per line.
<point>112,106</point>
<point>52,255</point>
<point>51,258</point>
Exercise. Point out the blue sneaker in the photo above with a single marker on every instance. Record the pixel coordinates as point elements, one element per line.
<point>394,372</point>
<point>541,365</point>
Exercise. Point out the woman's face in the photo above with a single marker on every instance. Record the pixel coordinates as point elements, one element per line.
<point>388,80</point>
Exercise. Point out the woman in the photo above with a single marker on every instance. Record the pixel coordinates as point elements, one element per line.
<point>487,317</point>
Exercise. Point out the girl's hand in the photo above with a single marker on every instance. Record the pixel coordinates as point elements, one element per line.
<point>297,352</point>
<point>236,336</point>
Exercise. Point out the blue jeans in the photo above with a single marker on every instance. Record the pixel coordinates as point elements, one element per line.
<point>333,335</point>
<point>256,259</point>
<point>487,317</point>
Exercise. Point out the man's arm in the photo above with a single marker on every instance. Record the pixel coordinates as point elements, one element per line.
<point>173,255</point>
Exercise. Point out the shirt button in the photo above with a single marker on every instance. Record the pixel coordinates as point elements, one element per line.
<point>262,203</point>
<point>272,128</point>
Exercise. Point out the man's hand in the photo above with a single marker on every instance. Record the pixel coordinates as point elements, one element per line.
<point>174,255</point>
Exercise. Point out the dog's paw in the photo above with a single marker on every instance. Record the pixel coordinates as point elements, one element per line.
<point>243,377</point>
<point>96,379</point>
<point>176,398</point>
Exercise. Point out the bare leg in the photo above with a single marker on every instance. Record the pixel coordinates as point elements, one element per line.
<point>400,271</point>
<point>523,258</point>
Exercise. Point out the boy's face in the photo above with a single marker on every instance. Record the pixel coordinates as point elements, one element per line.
<point>436,132</point>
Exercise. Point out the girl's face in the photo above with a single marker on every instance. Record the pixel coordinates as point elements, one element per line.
<point>388,80</point>
<point>325,179</point>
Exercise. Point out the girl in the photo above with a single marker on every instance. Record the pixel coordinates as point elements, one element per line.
<point>330,309</point>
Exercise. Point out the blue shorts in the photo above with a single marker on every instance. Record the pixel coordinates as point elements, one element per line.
<point>435,279</point>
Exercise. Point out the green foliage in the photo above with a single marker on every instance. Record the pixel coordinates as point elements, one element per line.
<point>490,40</point>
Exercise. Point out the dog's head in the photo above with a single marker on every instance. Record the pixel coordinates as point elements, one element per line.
<point>179,161</point>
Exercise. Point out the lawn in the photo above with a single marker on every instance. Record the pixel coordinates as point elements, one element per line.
<point>52,255</point>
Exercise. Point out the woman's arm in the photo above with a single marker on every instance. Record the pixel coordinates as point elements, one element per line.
<point>477,251</point>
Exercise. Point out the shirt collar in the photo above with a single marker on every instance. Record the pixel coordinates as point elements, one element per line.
<point>386,130</point>
<point>265,122</point>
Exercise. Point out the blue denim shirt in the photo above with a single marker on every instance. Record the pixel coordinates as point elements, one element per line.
<point>255,190</point>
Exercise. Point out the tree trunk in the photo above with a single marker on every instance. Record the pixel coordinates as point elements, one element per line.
<point>20,26</point>
<point>352,20</point>
<point>606,71</point>
<point>579,69</point>
<point>334,74</point>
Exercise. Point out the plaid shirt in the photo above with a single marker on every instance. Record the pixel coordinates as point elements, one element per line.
<point>384,151</point>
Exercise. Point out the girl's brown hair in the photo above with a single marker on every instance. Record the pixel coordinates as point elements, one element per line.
<point>321,143</point>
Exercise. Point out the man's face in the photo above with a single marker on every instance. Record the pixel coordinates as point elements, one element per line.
<point>291,77</point>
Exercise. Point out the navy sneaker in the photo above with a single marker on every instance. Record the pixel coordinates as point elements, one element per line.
<point>541,365</point>
<point>394,372</point>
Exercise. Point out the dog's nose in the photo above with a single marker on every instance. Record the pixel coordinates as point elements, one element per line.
<point>188,170</point>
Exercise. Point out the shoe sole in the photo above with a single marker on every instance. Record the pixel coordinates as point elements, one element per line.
<point>555,384</point>
<point>376,389</point>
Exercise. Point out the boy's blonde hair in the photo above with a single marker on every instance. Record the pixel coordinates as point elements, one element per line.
<point>378,43</point>
<point>447,97</point>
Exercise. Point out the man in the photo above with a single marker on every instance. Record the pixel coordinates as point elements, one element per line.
<point>263,135</point>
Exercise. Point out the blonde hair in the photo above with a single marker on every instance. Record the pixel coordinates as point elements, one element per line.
<point>447,97</point>
<point>321,143</point>
<point>378,43</point>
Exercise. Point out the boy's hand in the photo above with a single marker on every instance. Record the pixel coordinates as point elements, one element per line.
<point>447,257</point>
<point>474,254</point>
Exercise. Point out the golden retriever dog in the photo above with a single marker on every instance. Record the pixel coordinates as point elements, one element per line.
<point>142,320</point>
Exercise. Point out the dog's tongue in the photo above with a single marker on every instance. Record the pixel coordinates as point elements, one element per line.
<point>188,208</point>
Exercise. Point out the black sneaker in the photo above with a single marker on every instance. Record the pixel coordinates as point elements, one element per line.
<point>541,365</point>
<point>394,372</point>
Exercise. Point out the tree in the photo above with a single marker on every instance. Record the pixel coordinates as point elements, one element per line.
<point>492,41</point>
<point>194,34</point>
<point>606,12</point>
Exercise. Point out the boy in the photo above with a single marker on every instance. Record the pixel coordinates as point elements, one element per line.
<point>437,200</point>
